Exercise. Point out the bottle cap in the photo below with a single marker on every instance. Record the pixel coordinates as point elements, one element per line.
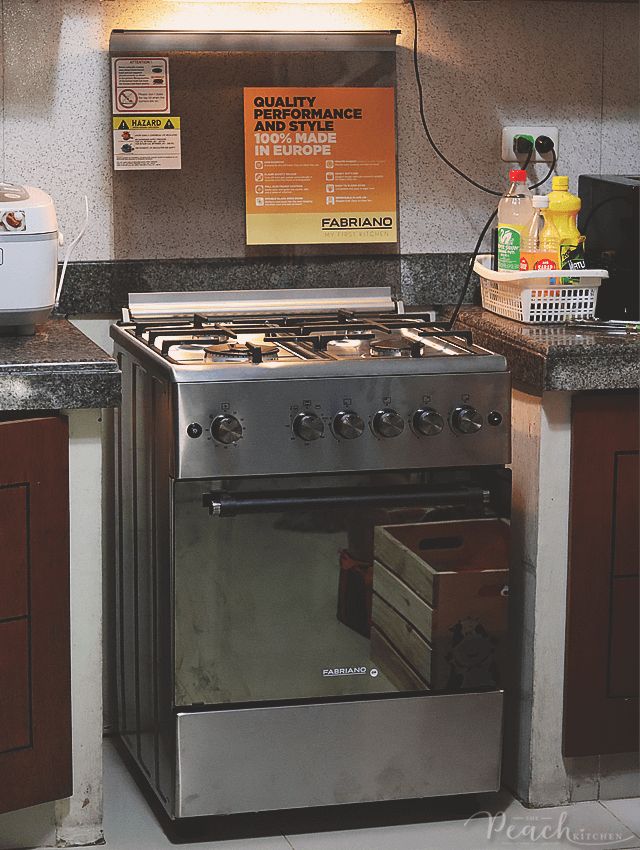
<point>518,175</point>
<point>540,202</point>
<point>560,183</point>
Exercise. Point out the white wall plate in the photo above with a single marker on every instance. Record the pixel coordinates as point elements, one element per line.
<point>509,133</point>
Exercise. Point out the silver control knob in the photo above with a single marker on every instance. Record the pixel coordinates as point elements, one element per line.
<point>348,425</point>
<point>308,427</point>
<point>388,423</point>
<point>428,421</point>
<point>466,420</point>
<point>226,429</point>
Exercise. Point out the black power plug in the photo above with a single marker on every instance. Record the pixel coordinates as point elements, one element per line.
<point>522,146</point>
<point>544,145</point>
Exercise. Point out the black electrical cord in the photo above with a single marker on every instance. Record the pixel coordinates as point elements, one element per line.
<point>459,172</point>
<point>552,168</point>
<point>476,250</point>
<point>416,68</point>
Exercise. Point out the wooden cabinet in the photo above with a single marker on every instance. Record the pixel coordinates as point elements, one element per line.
<point>35,687</point>
<point>601,684</point>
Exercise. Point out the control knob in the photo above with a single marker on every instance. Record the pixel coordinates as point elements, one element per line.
<point>226,429</point>
<point>308,427</point>
<point>388,423</point>
<point>348,425</point>
<point>466,420</point>
<point>428,421</point>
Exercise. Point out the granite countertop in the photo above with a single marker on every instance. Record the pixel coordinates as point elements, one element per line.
<point>56,368</point>
<point>554,357</point>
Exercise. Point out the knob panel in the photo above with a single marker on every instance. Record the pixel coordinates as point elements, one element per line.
<point>308,427</point>
<point>226,429</point>
<point>428,422</point>
<point>348,425</point>
<point>466,420</point>
<point>388,423</point>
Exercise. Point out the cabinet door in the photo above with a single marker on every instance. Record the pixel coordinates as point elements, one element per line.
<point>35,686</point>
<point>601,683</point>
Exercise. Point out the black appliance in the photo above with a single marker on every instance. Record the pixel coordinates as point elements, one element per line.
<point>609,221</point>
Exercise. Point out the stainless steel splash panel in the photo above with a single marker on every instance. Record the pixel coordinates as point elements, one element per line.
<point>136,42</point>
<point>144,306</point>
<point>337,753</point>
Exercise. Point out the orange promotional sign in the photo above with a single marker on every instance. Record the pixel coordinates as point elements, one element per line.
<point>320,165</point>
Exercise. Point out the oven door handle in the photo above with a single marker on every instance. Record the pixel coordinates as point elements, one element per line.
<point>232,504</point>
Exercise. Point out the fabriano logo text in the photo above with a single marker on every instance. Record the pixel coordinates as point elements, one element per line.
<point>357,223</point>
<point>344,671</point>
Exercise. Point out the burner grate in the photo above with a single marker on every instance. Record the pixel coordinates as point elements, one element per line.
<point>307,334</point>
<point>241,351</point>
<point>183,340</point>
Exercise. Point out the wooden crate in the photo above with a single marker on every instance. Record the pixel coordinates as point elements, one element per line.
<point>439,613</point>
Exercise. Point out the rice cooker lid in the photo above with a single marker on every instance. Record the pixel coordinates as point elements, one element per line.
<point>25,209</point>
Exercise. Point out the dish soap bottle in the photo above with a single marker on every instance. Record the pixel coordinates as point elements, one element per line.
<point>563,212</point>
<point>515,212</point>
<point>541,244</point>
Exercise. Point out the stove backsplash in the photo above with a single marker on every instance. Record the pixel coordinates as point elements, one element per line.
<point>101,287</point>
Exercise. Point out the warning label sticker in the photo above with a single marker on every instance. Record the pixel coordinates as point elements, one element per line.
<point>146,142</point>
<point>140,85</point>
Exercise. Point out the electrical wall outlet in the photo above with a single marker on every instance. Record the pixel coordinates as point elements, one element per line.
<point>510,133</point>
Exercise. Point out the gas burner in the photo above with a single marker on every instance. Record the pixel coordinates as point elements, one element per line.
<point>233,352</point>
<point>187,352</point>
<point>393,345</point>
<point>348,347</point>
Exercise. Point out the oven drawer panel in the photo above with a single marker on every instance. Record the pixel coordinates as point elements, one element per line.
<point>285,757</point>
<point>267,438</point>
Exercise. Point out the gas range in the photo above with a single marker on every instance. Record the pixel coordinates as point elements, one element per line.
<point>317,380</point>
<point>265,442</point>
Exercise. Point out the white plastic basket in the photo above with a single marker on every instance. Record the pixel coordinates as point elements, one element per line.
<point>533,298</point>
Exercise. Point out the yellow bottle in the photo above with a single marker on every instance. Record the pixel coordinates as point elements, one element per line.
<point>562,214</point>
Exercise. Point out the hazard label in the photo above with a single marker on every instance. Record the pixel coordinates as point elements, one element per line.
<point>146,142</point>
<point>140,84</point>
<point>146,122</point>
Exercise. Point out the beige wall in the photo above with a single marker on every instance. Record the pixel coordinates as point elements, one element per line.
<point>485,64</point>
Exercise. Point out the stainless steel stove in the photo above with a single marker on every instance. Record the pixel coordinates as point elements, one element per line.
<point>262,440</point>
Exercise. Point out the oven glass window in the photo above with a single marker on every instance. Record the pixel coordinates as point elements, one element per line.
<point>297,604</point>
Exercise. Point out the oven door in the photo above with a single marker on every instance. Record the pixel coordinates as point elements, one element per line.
<point>294,589</point>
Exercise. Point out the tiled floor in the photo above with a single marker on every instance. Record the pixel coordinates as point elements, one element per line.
<point>130,825</point>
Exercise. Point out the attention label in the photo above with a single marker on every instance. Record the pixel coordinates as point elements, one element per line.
<point>146,142</point>
<point>320,165</point>
<point>140,85</point>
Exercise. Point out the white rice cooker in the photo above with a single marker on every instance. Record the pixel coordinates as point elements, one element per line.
<point>29,242</point>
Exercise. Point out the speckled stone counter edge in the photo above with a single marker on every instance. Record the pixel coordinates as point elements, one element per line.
<point>59,390</point>
<point>562,368</point>
<point>58,367</point>
<point>101,287</point>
